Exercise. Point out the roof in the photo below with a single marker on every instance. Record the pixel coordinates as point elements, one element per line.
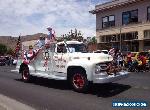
<point>112,4</point>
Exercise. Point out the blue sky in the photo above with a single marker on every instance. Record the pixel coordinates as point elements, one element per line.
<point>34,16</point>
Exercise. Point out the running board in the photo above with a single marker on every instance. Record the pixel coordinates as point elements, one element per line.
<point>49,76</point>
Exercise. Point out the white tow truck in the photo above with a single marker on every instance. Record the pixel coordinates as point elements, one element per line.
<point>70,61</point>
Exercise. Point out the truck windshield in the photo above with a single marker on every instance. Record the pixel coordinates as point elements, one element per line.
<point>77,48</point>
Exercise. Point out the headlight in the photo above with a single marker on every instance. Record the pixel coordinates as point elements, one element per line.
<point>101,69</point>
<point>97,69</point>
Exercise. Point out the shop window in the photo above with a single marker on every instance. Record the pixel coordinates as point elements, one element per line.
<point>114,38</point>
<point>103,39</point>
<point>147,34</point>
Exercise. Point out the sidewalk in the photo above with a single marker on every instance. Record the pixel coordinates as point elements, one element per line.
<point>10,104</point>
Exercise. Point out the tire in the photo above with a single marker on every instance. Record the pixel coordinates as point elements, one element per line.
<point>79,82</point>
<point>25,74</point>
<point>136,70</point>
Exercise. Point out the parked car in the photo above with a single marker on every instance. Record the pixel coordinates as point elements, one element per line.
<point>14,61</point>
<point>2,61</point>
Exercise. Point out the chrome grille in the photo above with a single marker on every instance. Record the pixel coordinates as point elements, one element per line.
<point>104,65</point>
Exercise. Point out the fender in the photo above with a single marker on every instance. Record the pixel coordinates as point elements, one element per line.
<point>84,63</point>
<point>31,68</point>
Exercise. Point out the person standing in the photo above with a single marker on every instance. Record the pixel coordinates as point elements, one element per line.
<point>129,59</point>
<point>143,60</point>
<point>120,59</point>
<point>40,42</point>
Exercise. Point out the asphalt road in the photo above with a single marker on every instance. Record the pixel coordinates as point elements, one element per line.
<point>44,94</point>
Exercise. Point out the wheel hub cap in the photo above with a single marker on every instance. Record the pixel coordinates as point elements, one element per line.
<point>78,81</point>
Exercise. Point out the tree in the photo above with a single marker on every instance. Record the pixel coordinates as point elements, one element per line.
<point>10,51</point>
<point>3,49</point>
<point>94,41</point>
<point>76,35</point>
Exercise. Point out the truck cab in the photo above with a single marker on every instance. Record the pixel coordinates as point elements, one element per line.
<point>71,61</point>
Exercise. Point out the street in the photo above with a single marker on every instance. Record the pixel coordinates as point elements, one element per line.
<point>44,94</point>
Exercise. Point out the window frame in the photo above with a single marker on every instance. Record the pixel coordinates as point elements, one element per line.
<point>104,22</point>
<point>129,12</point>
<point>61,48</point>
<point>108,22</point>
<point>123,13</point>
<point>148,8</point>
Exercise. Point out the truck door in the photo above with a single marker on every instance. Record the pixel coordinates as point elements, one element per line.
<point>43,63</point>
<point>60,60</point>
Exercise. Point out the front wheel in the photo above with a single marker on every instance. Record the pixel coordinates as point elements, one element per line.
<point>79,82</point>
<point>25,74</point>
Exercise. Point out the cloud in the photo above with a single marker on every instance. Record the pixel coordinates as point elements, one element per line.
<point>34,16</point>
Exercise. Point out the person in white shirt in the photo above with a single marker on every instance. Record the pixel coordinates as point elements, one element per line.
<point>40,42</point>
<point>47,41</point>
<point>120,59</point>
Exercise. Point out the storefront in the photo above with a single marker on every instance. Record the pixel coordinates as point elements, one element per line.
<point>124,41</point>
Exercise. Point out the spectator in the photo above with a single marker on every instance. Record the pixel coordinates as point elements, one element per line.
<point>120,59</point>
<point>143,60</point>
<point>129,60</point>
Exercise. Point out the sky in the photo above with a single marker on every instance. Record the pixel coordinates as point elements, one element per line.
<point>27,17</point>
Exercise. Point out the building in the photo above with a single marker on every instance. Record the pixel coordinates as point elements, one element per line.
<point>123,24</point>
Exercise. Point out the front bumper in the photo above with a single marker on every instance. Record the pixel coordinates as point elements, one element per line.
<point>110,78</point>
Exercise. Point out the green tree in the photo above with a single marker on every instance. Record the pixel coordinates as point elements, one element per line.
<point>76,35</point>
<point>10,51</point>
<point>3,49</point>
<point>93,40</point>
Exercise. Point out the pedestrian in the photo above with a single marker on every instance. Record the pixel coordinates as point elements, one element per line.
<point>129,59</point>
<point>143,60</point>
<point>120,59</point>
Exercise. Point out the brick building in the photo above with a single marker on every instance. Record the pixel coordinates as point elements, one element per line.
<point>123,24</point>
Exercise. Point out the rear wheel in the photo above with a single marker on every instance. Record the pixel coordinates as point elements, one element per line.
<point>79,82</point>
<point>25,74</point>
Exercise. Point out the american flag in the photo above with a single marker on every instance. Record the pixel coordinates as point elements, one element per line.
<point>28,56</point>
<point>112,52</point>
<point>18,47</point>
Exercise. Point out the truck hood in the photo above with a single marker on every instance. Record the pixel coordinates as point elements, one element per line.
<point>93,57</point>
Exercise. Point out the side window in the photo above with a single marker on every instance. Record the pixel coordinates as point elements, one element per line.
<point>130,17</point>
<point>108,21</point>
<point>61,48</point>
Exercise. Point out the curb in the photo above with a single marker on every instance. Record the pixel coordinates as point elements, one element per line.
<point>7,103</point>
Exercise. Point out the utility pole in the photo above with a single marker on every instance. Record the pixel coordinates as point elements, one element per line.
<point>120,39</point>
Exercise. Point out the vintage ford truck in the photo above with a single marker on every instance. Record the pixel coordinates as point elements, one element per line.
<point>70,61</point>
